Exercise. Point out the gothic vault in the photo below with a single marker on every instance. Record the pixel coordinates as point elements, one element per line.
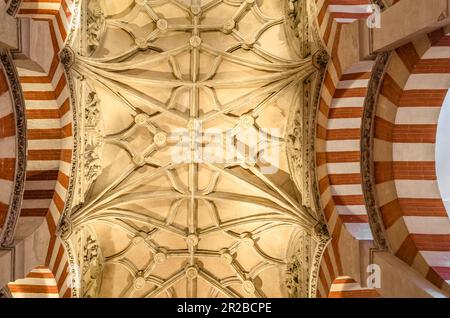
<point>223,148</point>
<point>189,178</point>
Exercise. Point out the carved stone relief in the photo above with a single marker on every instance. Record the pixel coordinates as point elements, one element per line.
<point>367,144</point>
<point>12,217</point>
<point>298,266</point>
<point>89,262</point>
<point>95,25</point>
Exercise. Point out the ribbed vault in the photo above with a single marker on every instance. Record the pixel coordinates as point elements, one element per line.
<point>185,185</point>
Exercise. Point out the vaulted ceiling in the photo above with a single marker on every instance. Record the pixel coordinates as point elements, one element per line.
<point>222,148</point>
<point>185,187</point>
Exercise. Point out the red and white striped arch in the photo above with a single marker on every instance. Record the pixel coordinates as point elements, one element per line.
<point>413,91</point>
<point>39,283</point>
<point>338,140</point>
<point>331,13</point>
<point>347,287</point>
<point>330,269</point>
<point>338,160</point>
<point>57,12</point>
<point>7,147</point>
<point>339,131</point>
<point>50,132</point>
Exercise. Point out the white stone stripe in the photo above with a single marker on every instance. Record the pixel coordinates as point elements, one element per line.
<point>43,144</point>
<point>352,8</point>
<point>351,209</point>
<point>428,81</point>
<point>59,38</point>
<point>346,189</point>
<point>23,72</point>
<point>36,204</point>
<point>437,52</point>
<point>436,259</point>
<point>358,83</point>
<point>420,189</point>
<point>64,19</point>
<point>343,167</point>
<point>41,271</point>
<point>65,168</point>
<point>427,225</point>
<point>41,104</point>
<point>37,87</point>
<point>345,20</point>
<point>43,123</point>
<point>40,5</point>
<point>42,165</point>
<point>62,97</point>
<point>337,287</point>
<point>360,231</point>
<point>361,67</point>
<point>32,295</point>
<point>342,145</point>
<point>417,115</point>
<point>60,269</point>
<point>347,102</point>
<point>413,152</point>
<point>54,253</point>
<point>54,212</point>
<point>344,123</point>
<point>59,72</point>
<point>60,190</point>
<point>35,281</point>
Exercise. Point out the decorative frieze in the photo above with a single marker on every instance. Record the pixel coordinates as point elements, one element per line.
<point>15,204</point>
<point>367,147</point>
<point>96,25</point>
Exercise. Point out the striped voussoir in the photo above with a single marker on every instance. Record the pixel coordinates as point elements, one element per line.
<point>331,13</point>
<point>50,135</point>
<point>7,147</point>
<point>413,91</point>
<point>340,187</point>
<point>347,287</point>
<point>39,283</point>
<point>330,269</point>
<point>338,154</point>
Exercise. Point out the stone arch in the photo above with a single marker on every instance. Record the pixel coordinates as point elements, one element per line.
<point>331,14</point>
<point>413,90</point>
<point>50,133</point>
<point>39,283</point>
<point>347,287</point>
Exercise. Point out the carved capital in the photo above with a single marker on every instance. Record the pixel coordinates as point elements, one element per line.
<point>67,57</point>
<point>321,58</point>
<point>321,233</point>
<point>64,228</point>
